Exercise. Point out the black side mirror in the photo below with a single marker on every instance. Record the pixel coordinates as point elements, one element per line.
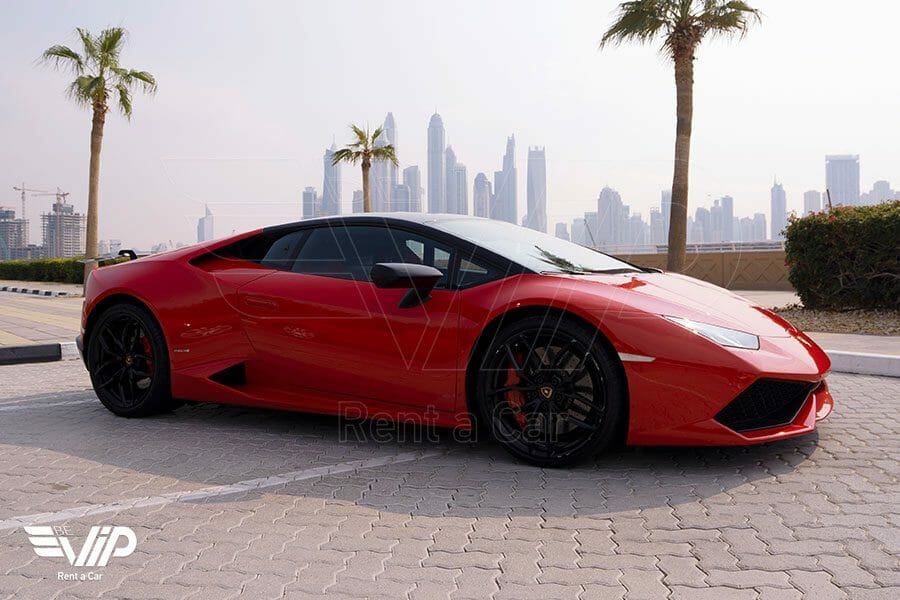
<point>420,279</point>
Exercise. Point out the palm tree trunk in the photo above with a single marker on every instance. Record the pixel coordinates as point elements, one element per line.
<point>365,174</point>
<point>90,246</point>
<point>684,110</point>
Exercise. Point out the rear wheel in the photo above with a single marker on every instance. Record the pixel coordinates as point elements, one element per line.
<point>550,392</point>
<point>129,363</point>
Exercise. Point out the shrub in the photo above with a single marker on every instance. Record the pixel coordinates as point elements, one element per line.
<point>61,270</point>
<point>846,258</point>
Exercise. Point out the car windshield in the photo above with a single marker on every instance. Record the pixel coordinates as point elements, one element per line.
<point>537,251</point>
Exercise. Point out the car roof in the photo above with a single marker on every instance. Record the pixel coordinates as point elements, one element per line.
<point>410,217</point>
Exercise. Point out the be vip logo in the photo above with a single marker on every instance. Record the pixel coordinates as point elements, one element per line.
<point>101,544</point>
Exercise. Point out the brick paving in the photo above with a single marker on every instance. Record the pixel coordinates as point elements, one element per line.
<point>814,517</point>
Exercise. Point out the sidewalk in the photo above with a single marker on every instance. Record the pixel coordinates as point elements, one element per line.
<point>69,289</point>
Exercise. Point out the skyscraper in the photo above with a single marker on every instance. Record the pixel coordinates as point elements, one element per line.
<point>331,184</point>
<point>812,202</point>
<point>309,203</point>
<point>665,210</point>
<point>380,181</point>
<point>562,231</point>
<point>481,196</point>
<point>881,192</point>
<point>536,189</point>
<point>458,190</point>
<point>412,179</point>
<point>842,178</point>
<point>779,211</point>
<point>436,175</point>
<point>449,180</point>
<point>400,198</point>
<point>656,227</point>
<point>612,214</point>
<point>727,219</point>
<point>390,135</point>
<point>505,205</point>
<point>205,226</point>
<point>579,231</point>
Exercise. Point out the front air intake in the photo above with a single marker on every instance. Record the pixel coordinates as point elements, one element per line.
<point>766,403</point>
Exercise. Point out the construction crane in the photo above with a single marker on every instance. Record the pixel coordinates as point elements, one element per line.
<point>26,190</point>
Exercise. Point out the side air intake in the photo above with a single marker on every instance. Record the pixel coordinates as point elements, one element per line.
<point>766,403</point>
<point>233,376</point>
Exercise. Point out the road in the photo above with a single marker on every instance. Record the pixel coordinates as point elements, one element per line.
<point>225,501</point>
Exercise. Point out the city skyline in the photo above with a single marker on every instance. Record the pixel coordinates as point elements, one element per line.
<point>219,132</point>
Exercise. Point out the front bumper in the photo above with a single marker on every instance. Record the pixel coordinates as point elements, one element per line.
<point>79,344</point>
<point>685,402</point>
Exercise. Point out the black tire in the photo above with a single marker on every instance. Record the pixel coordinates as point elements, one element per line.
<point>550,391</point>
<point>128,361</point>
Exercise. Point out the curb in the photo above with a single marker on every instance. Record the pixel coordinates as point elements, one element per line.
<point>858,363</point>
<point>863,363</point>
<point>38,353</point>
<point>36,292</point>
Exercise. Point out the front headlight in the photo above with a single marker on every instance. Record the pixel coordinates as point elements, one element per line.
<point>720,335</point>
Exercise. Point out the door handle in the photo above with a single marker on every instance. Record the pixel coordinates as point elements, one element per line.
<point>261,302</point>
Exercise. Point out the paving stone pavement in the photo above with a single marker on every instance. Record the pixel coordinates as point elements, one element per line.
<point>813,517</point>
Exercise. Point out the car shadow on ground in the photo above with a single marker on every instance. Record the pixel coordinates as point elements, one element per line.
<point>208,444</point>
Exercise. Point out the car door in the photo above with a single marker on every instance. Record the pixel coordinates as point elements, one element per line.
<point>323,326</point>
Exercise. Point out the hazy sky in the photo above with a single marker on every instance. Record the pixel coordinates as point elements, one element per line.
<point>251,93</point>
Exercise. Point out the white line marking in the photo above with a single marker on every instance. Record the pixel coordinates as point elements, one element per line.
<point>29,404</point>
<point>211,492</point>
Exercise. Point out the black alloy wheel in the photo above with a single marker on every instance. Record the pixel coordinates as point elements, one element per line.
<point>550,392</point>
<point>128,362</point>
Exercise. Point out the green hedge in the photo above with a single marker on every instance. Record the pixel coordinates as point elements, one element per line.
<point>846,258</point>
<point>61,270</point>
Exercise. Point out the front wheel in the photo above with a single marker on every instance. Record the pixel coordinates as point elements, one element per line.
<point>550,392</point>
<point>128,362</point>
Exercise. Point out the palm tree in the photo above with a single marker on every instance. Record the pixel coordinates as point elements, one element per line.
<point>99,79</point>
<point>682,25</point>
<point>365,149</point>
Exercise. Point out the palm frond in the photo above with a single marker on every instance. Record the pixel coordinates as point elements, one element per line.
<point>346,155</point>
<point>727,18</point>
<point>639,21</point>
<point>88,43</point>
<point>124,94</point>
<point>99,73</point>
<point>147,81</point>
<point>87,89</point>
<point>65,56</point>
<point>386,153</point>
<point>362,137</point>
<point>109,45</point>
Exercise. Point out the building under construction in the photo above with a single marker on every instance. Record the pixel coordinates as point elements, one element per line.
<point>63,230</point>
<point>13,235</point>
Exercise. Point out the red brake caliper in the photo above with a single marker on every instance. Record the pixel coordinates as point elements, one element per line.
<point>515,398</point>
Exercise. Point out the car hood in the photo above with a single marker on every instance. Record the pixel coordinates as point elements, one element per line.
<point>676,295</point>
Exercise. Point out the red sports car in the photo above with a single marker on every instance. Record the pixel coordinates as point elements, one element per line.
<point>557,349</point>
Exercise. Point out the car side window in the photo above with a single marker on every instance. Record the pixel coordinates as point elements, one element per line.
<point>281,253</point>
<point>472,271</point>
<point>350,251</point>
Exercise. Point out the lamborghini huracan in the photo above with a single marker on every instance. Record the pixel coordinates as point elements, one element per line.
<point>555,349</point>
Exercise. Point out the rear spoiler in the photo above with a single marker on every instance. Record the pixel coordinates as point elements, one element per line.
<point>131,254</point>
